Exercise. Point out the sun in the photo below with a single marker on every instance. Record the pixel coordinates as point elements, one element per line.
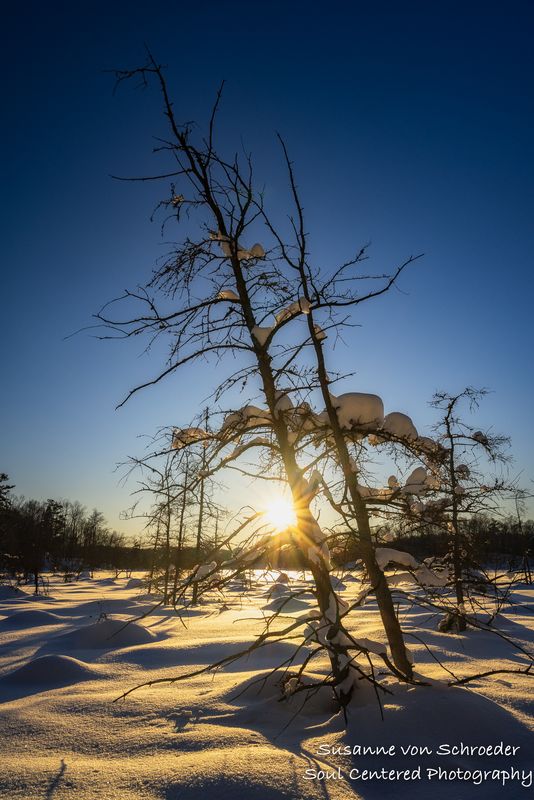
<point>280,514</point>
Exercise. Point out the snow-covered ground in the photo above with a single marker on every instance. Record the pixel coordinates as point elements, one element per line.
<point>65,658</point>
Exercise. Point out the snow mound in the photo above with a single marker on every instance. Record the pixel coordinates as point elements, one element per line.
<point>135,583</point>
<point>11,593</point>
<point>278,590</point>
<point>53,670</point>
<point>286,604</point>
<point>108,605</point>
<point>107,634</point>
<point>31,619</point>
<point>426,577</point>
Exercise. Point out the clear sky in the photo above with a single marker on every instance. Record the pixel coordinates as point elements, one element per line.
<point>410,125</point>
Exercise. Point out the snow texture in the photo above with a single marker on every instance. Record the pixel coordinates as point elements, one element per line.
<point>203,569</point>
<point>388,555</point>
<point>283,401</point>
<point>29,618</point>
<point>52,670</point>
<point>419,482</point>
<point>300,306</point>
<point>185,436</point>
<point>104,634</point>
<point>228,294</point>
<point>371,646</point>
<point>365,411</point>
<point>247,417</point>
<point>319,333</point>
<point>257,251</point>
<point>261,334</point>
<point>399,425</point>
<point>243,732</point>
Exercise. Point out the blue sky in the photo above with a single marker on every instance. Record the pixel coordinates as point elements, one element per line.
<point>410,125</point>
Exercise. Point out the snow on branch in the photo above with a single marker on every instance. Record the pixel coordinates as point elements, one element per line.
<point>182,437</point>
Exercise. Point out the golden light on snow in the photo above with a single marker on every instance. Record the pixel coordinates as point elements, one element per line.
<point>279,513</point>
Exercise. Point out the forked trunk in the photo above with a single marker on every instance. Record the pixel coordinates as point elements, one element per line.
<point>378,580</point>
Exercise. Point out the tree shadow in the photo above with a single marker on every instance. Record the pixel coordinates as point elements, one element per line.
<point>56,780</point>
<point>418,716</point>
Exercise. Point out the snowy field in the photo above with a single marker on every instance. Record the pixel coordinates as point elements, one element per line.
<point>66,657</point>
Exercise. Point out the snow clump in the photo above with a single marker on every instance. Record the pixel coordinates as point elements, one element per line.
<point>365,411</point>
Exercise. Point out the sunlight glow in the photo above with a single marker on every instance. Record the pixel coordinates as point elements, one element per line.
<point>279,513</point>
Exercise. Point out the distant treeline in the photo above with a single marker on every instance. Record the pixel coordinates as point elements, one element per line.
<point>59,535</point>
<point>62,536</point>
<point>488,539</point>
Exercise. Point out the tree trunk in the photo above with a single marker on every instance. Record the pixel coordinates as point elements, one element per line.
<point>153,564</point>
<point>333,639</point>
<point>384,599</point>
<point>455,621</point>
<point>308,527</point>
<point>167,552</point>
<point>376,576</point>
<point>199,529</point>
<point>178,556</point>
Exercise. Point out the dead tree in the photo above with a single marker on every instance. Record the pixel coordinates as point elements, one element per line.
<point>179,498</point>
<point>318,296</point>
<point>212,297</point>
<point>467,488</point>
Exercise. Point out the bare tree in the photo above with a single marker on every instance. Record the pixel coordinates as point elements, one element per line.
<point>213,296</point>
<point>467,488</point>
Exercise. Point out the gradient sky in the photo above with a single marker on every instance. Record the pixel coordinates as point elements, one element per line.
<point>410,125</point>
